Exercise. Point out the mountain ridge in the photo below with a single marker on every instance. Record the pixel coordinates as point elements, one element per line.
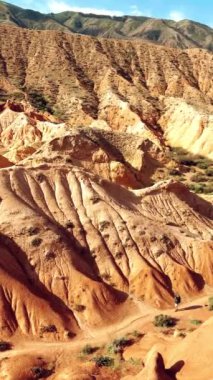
<point>182,34</point>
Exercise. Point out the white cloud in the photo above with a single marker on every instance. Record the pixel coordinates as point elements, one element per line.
<point>176,15</point>
<point>60,6</point>
<point>135,11</point>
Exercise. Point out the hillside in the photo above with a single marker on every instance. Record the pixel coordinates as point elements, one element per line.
<point>127,86</point>
<point>81,257</point>
<point>61,226</point>
<point>104,144</point>
<point>183,34</point>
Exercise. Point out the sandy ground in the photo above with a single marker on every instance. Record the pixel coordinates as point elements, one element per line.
<point>196,309</point>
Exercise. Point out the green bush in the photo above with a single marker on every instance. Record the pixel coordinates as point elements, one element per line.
<point>211,303</point>
<point>119,344</point>
<point>189,159</point>
<point>196,322</point>
<point>37,99</point>
<point>202,164</point>
<point>162,320</point>
<point>104,361</point>
<point>137,334</point>
<point>198,188</point>
<point>88,350</point>
<point>198,178</point>
<point>134,361</point>
<point>202,188</point>
<point>208,189</point>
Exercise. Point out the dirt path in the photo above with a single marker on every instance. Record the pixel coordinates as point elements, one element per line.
<point>195,308</point>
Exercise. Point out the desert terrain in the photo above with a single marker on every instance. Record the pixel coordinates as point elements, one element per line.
<point>106,189</point>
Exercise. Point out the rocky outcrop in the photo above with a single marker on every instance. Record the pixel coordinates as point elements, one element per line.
<point>128,86</point>
<point>154,368</point>
<point>61,226</point>
<point>187,127</point>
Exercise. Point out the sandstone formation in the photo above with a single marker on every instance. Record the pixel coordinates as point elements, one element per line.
<point>195,362</point>
<point>61,226</point>
<point>154,369</point>
<point>126,85</point>
<point>22,133</point>
<point>101,141</point>
<point>182,34</point>
<point>175,123</point>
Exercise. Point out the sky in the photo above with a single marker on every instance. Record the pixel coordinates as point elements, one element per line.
<point>197,10</point>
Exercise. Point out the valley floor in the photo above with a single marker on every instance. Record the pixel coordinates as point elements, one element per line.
<point>67,356</point>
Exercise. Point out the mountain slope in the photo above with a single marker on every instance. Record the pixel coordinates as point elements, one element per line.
<point>183,34</point>
<point>128,86</point>
<point>61,226</point>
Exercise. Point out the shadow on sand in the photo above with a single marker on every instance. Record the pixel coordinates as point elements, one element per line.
<point>191,308</point>
<point>175,369</point>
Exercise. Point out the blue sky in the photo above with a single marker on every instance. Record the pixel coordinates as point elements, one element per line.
<point>198,10</point>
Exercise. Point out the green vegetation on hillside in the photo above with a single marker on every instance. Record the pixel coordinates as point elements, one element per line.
<point>181,34</point>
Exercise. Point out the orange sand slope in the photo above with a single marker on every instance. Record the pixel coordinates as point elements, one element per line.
<point>62,226</point>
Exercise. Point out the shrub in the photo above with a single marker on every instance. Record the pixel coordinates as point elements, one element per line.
<point>36,242</point>
<point>79,308</point>
<point>197,188</point>
<point>186,161</point>
<point>40,177</point>
<point>5,346</point>
<point>119,344</point>
<point>103,225</point>
<point>88,350</point>
<point>104,361</point>
<point>196,322</point>
<point>68,160</point>
<point>134,361</point>
<point>202,188</point>
<point>40,372</point>
<point>33,231</point>
<point>50,255</point>
<point>202,164</point>
<point>48,329</point>
<point>174,172</point>
<point>198,178</point>
<point>162,320</point>
<point>69,225</point>
<point>38,100</point>
<point>137,334</point>
<point>209,172</point>
<point>118,255</point>
<point>211,303</point>
<point>208,188</point>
